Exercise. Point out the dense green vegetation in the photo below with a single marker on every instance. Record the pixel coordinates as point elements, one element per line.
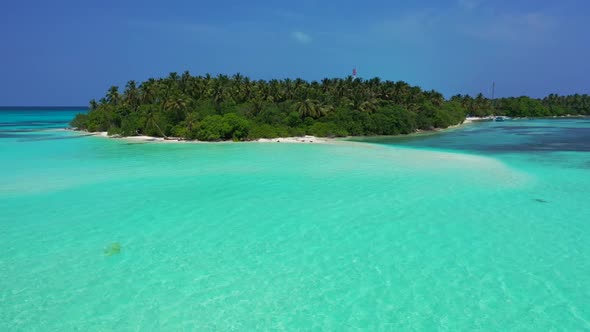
<point>221,108</point>
<point>552,105</point>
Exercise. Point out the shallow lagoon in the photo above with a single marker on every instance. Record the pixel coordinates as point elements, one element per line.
<point>483,227</point>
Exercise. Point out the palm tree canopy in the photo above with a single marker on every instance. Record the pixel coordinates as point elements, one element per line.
<point>164,106</point>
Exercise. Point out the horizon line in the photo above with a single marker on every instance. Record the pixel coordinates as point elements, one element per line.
<point>43,106</point>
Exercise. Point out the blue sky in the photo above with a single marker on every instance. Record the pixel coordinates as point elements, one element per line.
<point>67,52</point>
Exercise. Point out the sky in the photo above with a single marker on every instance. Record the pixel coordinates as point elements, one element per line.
<point>68,52</point>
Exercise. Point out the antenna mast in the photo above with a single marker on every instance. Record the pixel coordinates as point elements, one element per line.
<point>493,89</point>
<point>493,96</point>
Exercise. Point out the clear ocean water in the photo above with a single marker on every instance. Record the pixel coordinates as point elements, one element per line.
<point>481,228</point>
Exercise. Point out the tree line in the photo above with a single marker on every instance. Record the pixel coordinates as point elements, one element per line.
<point>222,107</point>
<point>552,105</point>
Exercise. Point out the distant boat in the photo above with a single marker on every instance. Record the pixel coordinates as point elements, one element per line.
<point>501,118</point>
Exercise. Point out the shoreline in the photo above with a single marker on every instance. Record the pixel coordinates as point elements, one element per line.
<point>307,139</point>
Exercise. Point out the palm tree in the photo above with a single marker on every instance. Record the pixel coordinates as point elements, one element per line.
<point>151,119</point>
<point>167,99</point>
<point>93,105</point>
<point>308,108</point>
<point>236,88</point>
<point>190,122</point>
<point>368,106</point>
<point>112,96</point>
<point>481,104</point>
<point>131,95</point>
<point>199,89</point>
<point>400,92</point>
<point>436,98</point>
<point>184,81</point>
<point>326,108</point>
<point>326,84</point>
<point>275,93</point>
<point>340,90</point>
<point>247,88</point>
<point>147,91</point>
<point>299,88</point>
<point>288,88</point>
<point>374,82</point>
<point>177,103</point>
<point>173,76</point>
<point>237,78</point>
<point>207,78</point>
<point>217,94</point>
<point>257,105</point>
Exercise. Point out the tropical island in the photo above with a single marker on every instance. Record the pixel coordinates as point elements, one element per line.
<point>236,108</point>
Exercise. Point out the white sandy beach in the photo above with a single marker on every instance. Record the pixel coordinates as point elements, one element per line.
<point>471,119</point>
<point>303,139</point>
<point>307,139</point>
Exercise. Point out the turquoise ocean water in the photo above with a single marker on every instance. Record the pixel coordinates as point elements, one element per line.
<point>485,228</point>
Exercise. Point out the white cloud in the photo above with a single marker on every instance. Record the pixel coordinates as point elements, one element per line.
<point>301,37</point>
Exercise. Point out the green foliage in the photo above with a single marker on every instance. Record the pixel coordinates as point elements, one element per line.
<point>213,128</point>
<point>294,132</point>
<point>292,120</point>
<point>188,128</point>
<point>263,131</point>
<point>80,121</point>
<point>114,131</point>
<point>229,126</point>
<point>238,125</point>
<point>522,107</point>
<point>237,108</point>
<point>181,131</point>
<point>203,108</point>
<point>424,120</point>
<point>130,125</point>
<point>388,121</point>
<point>323,129</point>
<point>102,119</point>
<point>567,105</point>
